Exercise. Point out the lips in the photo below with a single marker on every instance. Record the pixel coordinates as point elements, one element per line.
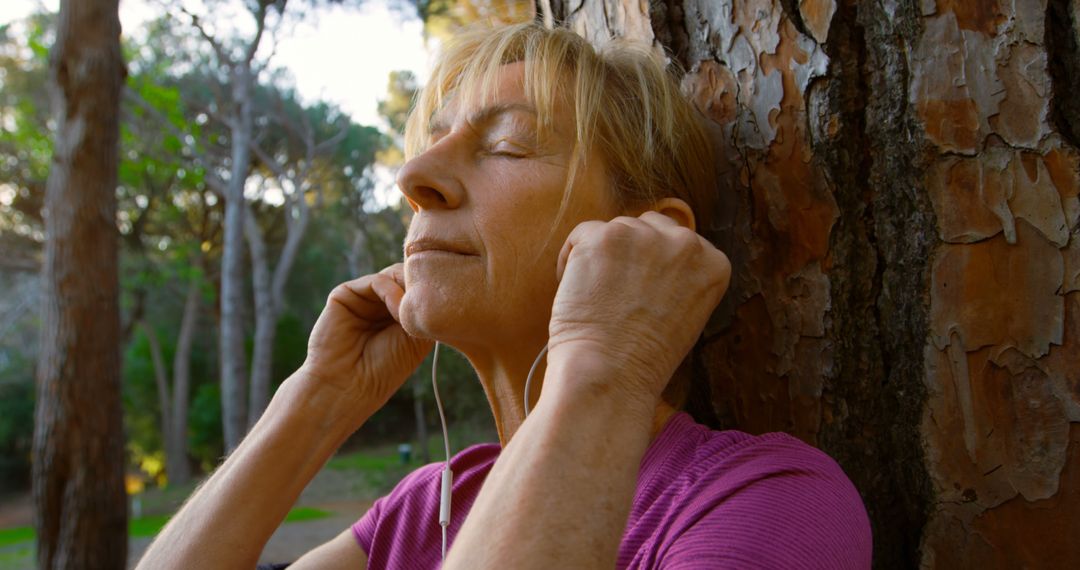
<point>420,245</point>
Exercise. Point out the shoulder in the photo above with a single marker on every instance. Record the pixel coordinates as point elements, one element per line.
<point>770,499</point>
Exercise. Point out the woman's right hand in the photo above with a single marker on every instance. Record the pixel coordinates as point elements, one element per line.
<point>357,346</point>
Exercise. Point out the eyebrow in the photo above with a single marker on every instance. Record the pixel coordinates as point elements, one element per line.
<point>483,115</point>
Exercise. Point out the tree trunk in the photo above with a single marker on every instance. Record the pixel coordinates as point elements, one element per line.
<point>266,315</point>
<point>901,212</point>
<point>232,353</point>
<point>176,446</point>
<point>270,290</point>
<point>161,379</point>
<point>80,508</point>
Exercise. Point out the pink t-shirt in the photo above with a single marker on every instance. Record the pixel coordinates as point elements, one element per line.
<point>704,499</point>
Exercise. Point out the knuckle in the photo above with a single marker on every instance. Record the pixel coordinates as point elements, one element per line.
<point>337,292</point>
<point>686,239</point>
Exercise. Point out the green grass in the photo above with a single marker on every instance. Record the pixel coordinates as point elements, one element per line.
<point>147,526</point>
<point>15,535</point>
<point>301,514</point>
<point>150,526</point>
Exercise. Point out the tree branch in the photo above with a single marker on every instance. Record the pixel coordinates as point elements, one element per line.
<point>219,50</point>
<point>260,27</point>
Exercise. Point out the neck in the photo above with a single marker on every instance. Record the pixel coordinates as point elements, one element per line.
<point>503,376</point>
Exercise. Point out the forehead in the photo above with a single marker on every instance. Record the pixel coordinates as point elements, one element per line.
<point>506,90</point>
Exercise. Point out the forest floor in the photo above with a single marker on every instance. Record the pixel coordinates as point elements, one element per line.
<point>339,495</point>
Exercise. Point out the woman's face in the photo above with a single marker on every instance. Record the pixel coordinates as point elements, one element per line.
<point>481,250</point>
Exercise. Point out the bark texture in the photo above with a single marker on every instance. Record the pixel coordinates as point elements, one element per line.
<point>80,508</point>
<point>901,210</point>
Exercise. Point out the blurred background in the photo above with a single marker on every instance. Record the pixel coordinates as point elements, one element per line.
<point>330,86</point>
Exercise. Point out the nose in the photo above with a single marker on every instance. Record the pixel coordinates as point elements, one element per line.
<point>428,180</point>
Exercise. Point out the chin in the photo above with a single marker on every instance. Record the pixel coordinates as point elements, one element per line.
<point>426,314</point>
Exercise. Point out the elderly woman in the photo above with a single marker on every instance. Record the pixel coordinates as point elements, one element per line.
<point>556,193</point>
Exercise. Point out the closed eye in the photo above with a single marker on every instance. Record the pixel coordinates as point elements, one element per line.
<point>508,149</point>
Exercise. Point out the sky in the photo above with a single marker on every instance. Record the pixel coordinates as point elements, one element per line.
<point>336,54</point>
<point>343,55</point>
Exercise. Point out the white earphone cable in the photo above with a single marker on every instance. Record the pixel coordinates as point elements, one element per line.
<point>528,379</point>
<point>447,474</point>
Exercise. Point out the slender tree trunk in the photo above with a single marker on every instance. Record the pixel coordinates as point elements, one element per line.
<point>265,321</point>
<point>176,447</point>
<point>80,508</point>
<point>161,380</point>
<point>270,289</point>
<point>232,354</point>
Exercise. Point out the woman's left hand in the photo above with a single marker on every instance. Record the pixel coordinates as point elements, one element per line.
<point>635,293</point>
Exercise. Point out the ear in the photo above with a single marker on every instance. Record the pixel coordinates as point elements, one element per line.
<point>677,210</point>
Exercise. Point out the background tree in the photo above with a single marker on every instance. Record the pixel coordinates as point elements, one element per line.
<point>242,71</point>
<point>901,211</point>
<point>167,205</point>
<point>80,504</point>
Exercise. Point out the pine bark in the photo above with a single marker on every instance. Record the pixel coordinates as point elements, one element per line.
<point>901,209</point>
<point>80,507</point>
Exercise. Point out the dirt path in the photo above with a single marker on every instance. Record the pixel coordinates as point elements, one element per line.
<point>16,510</point>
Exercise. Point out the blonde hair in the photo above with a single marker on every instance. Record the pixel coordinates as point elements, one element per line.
<point>625,105</point>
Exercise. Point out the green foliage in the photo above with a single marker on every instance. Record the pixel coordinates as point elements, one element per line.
<point>16,434</point>
<point>141,410</point>
<point>401,91</point>
<point>204,425</point>
<point>25,136</point>
<point>290,347</point>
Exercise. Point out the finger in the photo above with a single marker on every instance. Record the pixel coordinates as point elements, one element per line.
<point>389,293</point>
<point>577,235</point>
<point>359,300</point>
<point>632,222</point>
<point>395,272</point>
<point>723,265</point>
